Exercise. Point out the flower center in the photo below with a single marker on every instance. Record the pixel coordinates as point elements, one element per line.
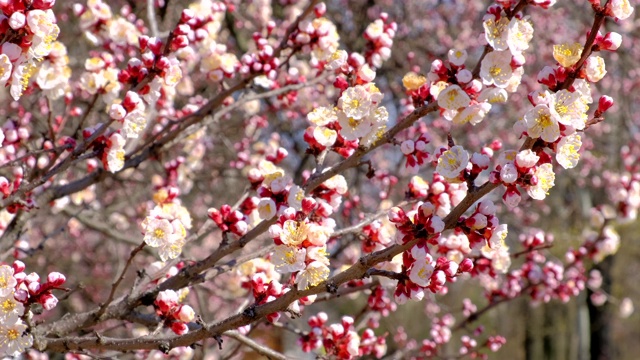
<point>159,233</point>
<point>8,306</point>
<point>12,334</point>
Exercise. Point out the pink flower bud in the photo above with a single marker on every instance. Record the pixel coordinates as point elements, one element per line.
<point>186,313</point>
<point>452,269</point>
<point>240,228</point>
<point>308,300</point>
<point>435,225</point>
<point>155,45</point>
<point>611,41</point>
<point>32,278</point>
<point>273,317</point>
<point>163,63</point>
<point>289,213</point>
<point>396,214</point>
<point>21,295</point>
<point>17,20</point>
<point>179,42</point>
<point>34,288</point>
<point>547,76</point>
<point>605,103</point>
<point>143,41</point>
<point>147,59</point>
<point>4,186</point>
<point>18,266</point>
<point>438,278</point>
<point>466,265</point>
<point>215,215</point>
<point>131,100</point>
<point>187,14</point>
<point>48,301</point>
<point>182,29</point>
<point>320,9</point>
<point>407,147</point>
<point>56,278</point>
<point>166,300</point>
<point>511,197</point>
<point>117,112</point>
<point>20,276</point>
<point>347,321</point>
<point>235,216</point>
<point>464,76</point>
<point>308,204</point>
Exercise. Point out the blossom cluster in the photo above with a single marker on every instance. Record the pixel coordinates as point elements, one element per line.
<point>18,291</point>
<point>421,270</point>
<point>318,36</point>
<point>176,316</point>
<point>526,168</point>
<point>455,164</point>
<point>31,33</point>
<point>129,84</point>
<point>415,152</point>
<point>167,224</point>
<point>461,96</point>
<point>340,339</point>
<point>444,195</point>
<point>624,188</point>
<point>358,119</point>
<point>379,35</point>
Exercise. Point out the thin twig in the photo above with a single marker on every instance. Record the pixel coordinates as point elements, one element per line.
<point>260,349</point>
<point>114,287</point>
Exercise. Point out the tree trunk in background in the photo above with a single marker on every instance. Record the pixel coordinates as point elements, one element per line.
<point>600,317</point>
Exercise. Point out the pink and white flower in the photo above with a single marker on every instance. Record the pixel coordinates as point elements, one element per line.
<point>567,151</point>
<point>452,162</point>
<point>288,259</point>
<point>496,69</point>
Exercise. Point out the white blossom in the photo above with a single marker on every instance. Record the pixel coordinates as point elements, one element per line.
<point>7,281</point>
<point>452,162</point>
<point>621,9</point>
<point>294,232</point>
<point>421,271</point>
<point>266,208</point>
<point>496,32</point>
<point>457,57</point>
<point>496,69</point>
<point>288,259</point>
<point>595,68</point>
<point>520,33</point>
<point>13,339</point>
<point>567,151</point>
<point>546,177</point>
<point>315,273</point>
<point>322,116</point>
<point>453,98</point>
<point>10,309</point>
<point>355,102</point>
<point>473,114</point>
<point>5,69</point>
<point>542,123</point>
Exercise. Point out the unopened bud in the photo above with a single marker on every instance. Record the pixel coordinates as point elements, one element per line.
<point>186,313</point>
<point>466,265</point>
<point>48,301</point>
<point>605,103</point>
<point>56,278</point>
